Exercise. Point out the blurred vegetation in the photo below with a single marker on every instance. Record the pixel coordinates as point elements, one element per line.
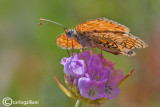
<point>29,57</point>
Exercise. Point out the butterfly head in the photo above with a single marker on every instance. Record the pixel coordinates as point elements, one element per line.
<point>69,33</point>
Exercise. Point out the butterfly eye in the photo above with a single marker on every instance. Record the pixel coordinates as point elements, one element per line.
<point>69,33</point>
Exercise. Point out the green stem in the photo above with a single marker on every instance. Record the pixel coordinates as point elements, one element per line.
<point>78,104</point>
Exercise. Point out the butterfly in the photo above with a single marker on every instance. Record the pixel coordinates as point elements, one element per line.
<point>99,33</point>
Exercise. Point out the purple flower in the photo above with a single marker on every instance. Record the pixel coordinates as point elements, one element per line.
<point>93,76</point>
<point>73,66</point>
<point>91,89</point>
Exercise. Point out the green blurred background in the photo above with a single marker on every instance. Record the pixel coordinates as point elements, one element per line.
<point>29,57</point>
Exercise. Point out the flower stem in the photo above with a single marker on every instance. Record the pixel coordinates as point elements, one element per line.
<point>78,104</point>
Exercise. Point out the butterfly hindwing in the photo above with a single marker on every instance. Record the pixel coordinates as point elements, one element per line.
<point>115,42</point>
<point>61,41</point>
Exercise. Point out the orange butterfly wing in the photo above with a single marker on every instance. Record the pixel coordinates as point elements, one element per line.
<point>110,36</point>
<point>101,24</point>
<point>115,42</point>
<point>126,40</point>
<point>61,41</point>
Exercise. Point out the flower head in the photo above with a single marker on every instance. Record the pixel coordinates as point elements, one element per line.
<point>91,76</point>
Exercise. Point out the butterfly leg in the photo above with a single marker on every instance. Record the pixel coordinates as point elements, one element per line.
<point>81,50</point>
<point>101,54</point>
<point>68,52</point>
<point>67,48</point>
<point>72,48</point>
<point>84,58</point>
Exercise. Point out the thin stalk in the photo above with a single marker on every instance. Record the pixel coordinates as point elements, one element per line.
<point>78,104</point>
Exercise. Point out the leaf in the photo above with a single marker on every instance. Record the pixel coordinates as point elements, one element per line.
<point>67,92</point>
<point>125,77</point>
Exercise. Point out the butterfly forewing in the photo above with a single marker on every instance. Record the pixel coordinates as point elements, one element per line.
<point>62,42</point>
<point>101,24</point>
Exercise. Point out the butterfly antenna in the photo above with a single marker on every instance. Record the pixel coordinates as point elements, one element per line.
<point>41,19</point>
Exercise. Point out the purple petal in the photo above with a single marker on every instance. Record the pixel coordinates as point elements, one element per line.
<point>112,94</point>
<point>116,76</point>
<point>78,67</point>
<point>86,55</point>
<point>63,60</point>
<point>91,89</point>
